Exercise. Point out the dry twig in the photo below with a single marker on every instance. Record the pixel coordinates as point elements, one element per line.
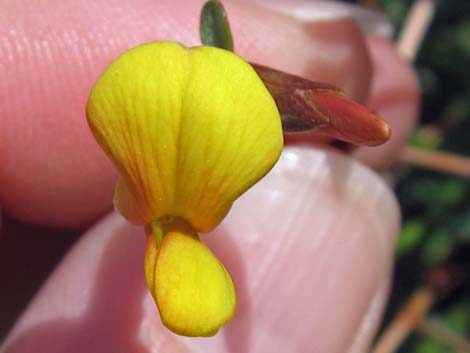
<point>415,28</point>
<point>438,161</point>
<point>406,321</point>
<point>442,334</point>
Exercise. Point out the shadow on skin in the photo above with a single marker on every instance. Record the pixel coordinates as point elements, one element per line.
<point>237,333</point>
<point>112,319</point>
<point>20,279</point>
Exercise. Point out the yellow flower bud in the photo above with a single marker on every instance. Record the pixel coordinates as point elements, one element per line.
<point>189,129</point>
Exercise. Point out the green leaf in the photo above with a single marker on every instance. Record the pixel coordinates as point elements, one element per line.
<point>411,234</point>
<point>437,249</point>
<point>420,138</point>
<point>214,27</point>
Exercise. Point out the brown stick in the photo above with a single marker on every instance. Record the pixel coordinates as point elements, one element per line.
<point>438,161</point>
<point>406,321</point>
<point>442,334</point>
<point>416,25</point>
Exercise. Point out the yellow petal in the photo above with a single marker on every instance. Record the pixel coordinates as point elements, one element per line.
<point>189,130</point>
<point>150,262</point>
<point>193,291</point>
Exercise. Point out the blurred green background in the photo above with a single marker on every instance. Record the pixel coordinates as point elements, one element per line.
<point>435,206</point>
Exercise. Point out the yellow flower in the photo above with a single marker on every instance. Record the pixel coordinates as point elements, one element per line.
<point>190,130</point>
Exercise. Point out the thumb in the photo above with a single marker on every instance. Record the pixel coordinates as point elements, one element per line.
<point>310,248</point>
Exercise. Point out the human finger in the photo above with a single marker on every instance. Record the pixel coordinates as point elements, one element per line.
<point>309,248</point>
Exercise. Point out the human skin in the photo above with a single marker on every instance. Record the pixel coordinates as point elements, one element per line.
<point>310,247</point>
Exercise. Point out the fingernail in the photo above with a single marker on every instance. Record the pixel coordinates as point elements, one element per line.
<point>370,21</point>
